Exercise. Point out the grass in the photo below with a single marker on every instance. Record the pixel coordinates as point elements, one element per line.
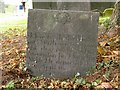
<point>103,19</point>
<point>21,24</point>
<point>22,21</point>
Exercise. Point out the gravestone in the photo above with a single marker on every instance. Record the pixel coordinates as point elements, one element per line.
<point>80,6</point>
<point>44,5</point>
<point>61,43</point>
<point>2,7</point>
<point>101,6</point>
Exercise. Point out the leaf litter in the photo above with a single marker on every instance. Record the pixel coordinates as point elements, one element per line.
<point>15,74</point>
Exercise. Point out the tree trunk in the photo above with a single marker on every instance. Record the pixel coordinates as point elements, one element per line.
<point>114,28</point>
<point>116,13</point>
<point>114,24</point>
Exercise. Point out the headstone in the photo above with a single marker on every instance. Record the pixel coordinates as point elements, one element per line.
<point>61,43</point>
<point>44,5</point>
<point>101,6</point>
<point>80,6</point>
<point>83,6</point>
<point>2,7</point>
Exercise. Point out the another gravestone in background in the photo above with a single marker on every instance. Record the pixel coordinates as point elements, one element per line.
<point>73,5</point>
<point>80,6</point>
<point>101,6</point>
<point>61,43</point>
<point>83,6</point>
<point>2,6</point>
<point>44,5</point>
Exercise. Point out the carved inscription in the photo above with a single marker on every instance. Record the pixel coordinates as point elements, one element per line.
<point>48,43</point>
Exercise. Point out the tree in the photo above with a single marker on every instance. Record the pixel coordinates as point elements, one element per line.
<point>114,27</point>
<point>116,13</point>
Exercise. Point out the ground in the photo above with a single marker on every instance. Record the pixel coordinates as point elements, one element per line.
<point>105,74</point>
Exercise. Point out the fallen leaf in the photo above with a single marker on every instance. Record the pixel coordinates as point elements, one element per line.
<point>101,50</point>
<point>106,85</point>
<point>116,52</point>
<point>102,44</point>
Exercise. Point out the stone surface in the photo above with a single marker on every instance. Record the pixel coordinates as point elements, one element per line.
<point>2,7</point>
<point>44,5</point>
<point>82,6</point>
<point>79,6</point>
<point>101,6</point>
<point>61,43</point>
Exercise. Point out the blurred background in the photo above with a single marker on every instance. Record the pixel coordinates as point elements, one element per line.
<point>13,13</point>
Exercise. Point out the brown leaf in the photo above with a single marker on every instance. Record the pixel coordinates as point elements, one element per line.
<point>116,52</point>
<point>100,50</point>
<point>102,44</point>
<point>106,85</point>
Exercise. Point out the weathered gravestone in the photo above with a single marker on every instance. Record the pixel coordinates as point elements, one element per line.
<point>44,5</point>
<point>61,43</point>
<point>80,6</point>
<point>2,7</point>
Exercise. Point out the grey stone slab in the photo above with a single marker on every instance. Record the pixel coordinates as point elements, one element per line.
<point>101,6</point>
<point>61,43</point>
<point>2,7</point>
<point>79,6</point>
<point>44,5</point>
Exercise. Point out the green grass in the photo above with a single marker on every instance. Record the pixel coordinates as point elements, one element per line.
<point>22,24</point>
<point>22,21</point>
<point>103,19</point>
<point>1,15</point>
<point>13,24</point>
